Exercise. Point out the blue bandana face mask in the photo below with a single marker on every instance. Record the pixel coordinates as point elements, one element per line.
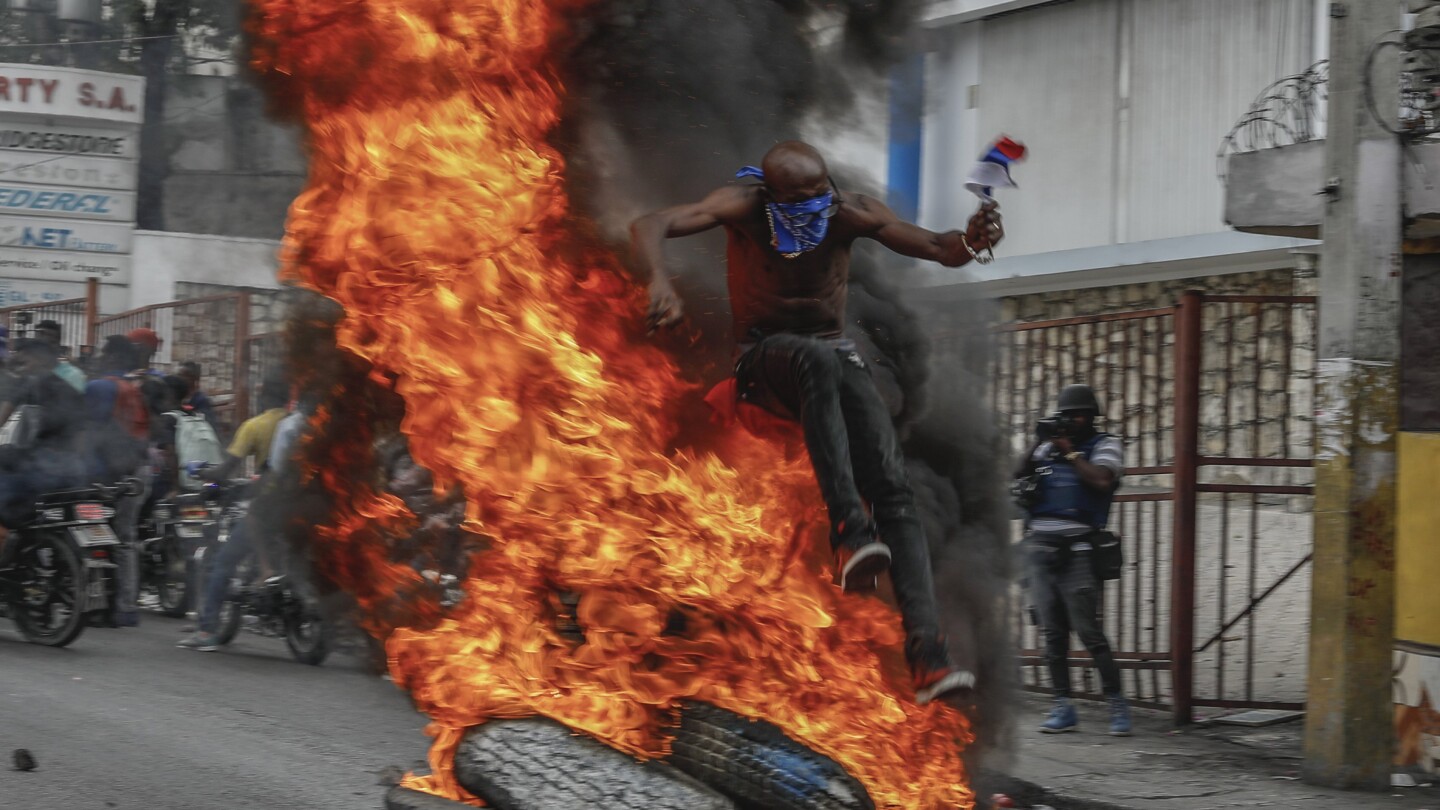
<point>799,227</point>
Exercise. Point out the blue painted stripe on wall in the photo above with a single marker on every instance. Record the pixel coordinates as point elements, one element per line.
<point>907,106</point>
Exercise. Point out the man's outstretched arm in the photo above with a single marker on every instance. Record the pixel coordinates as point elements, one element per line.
<point>877,221</point>
<point>648,235</point>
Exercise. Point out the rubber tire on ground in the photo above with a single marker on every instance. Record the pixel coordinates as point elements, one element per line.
<point>68,556</point>
<point>758,766</point>
<point>174,601</point>
<point>312,652</point>
<point>538,764</point>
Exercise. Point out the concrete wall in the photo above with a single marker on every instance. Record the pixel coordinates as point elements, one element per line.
<point>1422,193</point>
<point>1277,191</point>
<point>946,12</point>
<point>230,203</point>
<point>1123,105</point>
<point>1417,605</point>
<point>1420,344</point>
<point>267,306</point>
<point>233,171</point>
<point>163,261</point>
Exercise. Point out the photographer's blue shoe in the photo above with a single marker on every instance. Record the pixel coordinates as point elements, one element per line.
<point>1062,718</point>
<point>1119,716</point>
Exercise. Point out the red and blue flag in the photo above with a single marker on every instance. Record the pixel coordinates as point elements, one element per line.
<point>992,171</point>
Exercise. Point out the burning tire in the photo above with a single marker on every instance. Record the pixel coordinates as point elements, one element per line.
<point>538,764</point>
<point>754,763</point>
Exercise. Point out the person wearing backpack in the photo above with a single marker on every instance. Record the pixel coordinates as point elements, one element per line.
<point>193,438</point>
<point>197,399</point>
<point>119,432</point>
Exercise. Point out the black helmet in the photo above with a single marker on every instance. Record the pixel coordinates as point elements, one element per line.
<point>1078,398</point>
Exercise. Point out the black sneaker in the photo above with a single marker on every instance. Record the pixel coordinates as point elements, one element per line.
<point>933,673</point>
<point>858,565</point>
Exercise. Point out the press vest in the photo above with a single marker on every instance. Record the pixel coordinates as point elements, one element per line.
<point>1061,493</point>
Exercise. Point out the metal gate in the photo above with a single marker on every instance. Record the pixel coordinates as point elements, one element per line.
<point>214,331</point>
<point>1129,359</point>
<point>1212,397</point>
<point>1244,497</point>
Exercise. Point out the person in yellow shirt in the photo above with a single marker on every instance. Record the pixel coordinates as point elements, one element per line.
<point>252,441</point>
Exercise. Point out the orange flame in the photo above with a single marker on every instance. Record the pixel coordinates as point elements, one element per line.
<point>435,214</point>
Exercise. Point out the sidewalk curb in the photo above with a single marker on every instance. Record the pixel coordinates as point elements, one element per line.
<point>402,798</point>
<point>1027,793</point>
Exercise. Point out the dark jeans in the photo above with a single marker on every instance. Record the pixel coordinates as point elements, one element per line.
<point>1067,599</point>
<point>857,459</point>
<point>226,561</point>
<point>127,553</point>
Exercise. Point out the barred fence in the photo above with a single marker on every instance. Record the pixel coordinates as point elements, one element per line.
<point>1213,399</point>
<point>214,331</point>
<point>1129,359</point>
<point>74,315</point>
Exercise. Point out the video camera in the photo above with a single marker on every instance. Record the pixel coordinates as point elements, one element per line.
<point>1053,427</point>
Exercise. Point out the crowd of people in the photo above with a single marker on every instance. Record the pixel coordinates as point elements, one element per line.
<point>69,422</point>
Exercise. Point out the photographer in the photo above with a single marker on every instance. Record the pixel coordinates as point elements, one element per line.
<point>1066,484</point>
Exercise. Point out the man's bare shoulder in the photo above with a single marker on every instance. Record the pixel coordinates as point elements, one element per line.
<point>732,203</point>
<point>863,212</point>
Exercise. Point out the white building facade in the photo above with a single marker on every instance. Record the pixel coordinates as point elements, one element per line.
<point>1123,105</point>
<point>69,166</point>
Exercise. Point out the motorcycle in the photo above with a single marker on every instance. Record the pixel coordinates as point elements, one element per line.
<point>169,536</point>
<point>275,606</point>
<point>60,567</point>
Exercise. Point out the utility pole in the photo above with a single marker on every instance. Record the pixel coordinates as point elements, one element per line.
<point>1349,734</point>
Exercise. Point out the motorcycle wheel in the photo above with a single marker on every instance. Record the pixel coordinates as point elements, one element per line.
<point>229,622</point>
<point>48,607</point>
<point>173,582</point>
<point>308,638</point>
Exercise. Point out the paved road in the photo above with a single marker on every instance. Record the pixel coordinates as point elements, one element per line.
<point>123,720</point>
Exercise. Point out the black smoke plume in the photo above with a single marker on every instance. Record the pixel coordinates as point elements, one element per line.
<point>667,99</point>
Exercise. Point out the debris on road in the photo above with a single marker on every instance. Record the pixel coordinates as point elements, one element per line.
<point>390,775</point>
<point>23,760</point>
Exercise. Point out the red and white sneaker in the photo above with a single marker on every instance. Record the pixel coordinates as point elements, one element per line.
<point>936,683</point>
<point>934,674</point>
<point>858,566</point>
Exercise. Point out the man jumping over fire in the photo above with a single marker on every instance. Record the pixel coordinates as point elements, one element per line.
<point>788,257</point>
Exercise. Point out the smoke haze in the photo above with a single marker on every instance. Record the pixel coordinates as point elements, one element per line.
<point>668,99</point>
